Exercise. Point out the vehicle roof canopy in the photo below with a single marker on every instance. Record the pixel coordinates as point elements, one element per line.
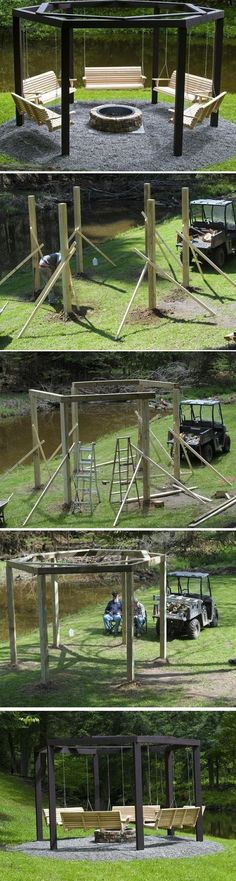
<point>199,401</point>
<point>211,201</point>
<point>182,573</point>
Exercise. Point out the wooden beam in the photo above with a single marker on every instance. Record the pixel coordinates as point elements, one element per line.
<point>11,614</point>
<point>43,632</point>
<point>185,222</point>
<point>202,254</point>
<point>139,282</point>
<point>124,608</point>
<point>55,612</point>
<point>147,196</point>
<point>64,248</point>
<point>144,413</point>
<point>33,241</point>
<point>78,225</point>
<point>39,445</point>
<point>64,418</point>
<point>36,454</point>
<point>19,265</point>
<point>130,626</point>
<point>128,491</point>
<point>95,247</point>
<point>151,250</point>
<point>178,482</point>
<point>176,426</point>
<point>48,287</point>
<point>43,493</point>
<point>20,461</point>
<point>163,618</point>
<point>204,462</point>
<point>163,274</point>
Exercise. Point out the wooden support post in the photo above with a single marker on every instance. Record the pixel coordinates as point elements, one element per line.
<point>145,449</point>
<point>64,248</point>
<point>75,422</point>
<point>55,612</point>
<point>18,66</point>
<point>52,797</point>
<point>155,57</point>
<point>96,777</point>
<point>65,93</point>
<point>176,426</point>
<point>33,242</point>
<point>130,626</point>
<point>124,608</point>
<point>179,94</point>
<point>163,622</point>
<point>147,196</point>
<point>197,790</point>
<point>36,454</point>
<point>11,614</point>
<point>64,417</point>
<point>71,61</point>
<point>151,247</point>
<point>43,630</point>
<point>217,64</point>
<point>169,775</point>
<point>138,782</point>
<point>38,796</point>
<point>185,247</point>
<point>77,225</point>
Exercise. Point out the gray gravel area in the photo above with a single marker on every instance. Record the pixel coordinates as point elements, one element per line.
<point>155,848</point>
<point>96,151</point>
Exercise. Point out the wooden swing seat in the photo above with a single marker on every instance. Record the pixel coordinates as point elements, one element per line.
<point>114,78</point>
<point>195,88</point>
<point>197,113</point>
<point>37,113</point>
<point>58,814</point>
<point>91,820</point>
<point>178,818</point>
<point>44,87</point>
<point>127,813</point>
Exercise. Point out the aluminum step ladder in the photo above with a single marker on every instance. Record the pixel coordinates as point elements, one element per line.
<point>124,465</point>
<point>85,478</point>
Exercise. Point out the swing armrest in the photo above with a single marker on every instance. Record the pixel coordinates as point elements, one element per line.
<point>72,80</point>
<point>161,79</point>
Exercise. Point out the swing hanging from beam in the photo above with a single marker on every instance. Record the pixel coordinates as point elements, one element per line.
<point>196,88</point>
<point>114,77</point>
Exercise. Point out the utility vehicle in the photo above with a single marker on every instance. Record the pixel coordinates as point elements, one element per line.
<point>189,605</point>
<point>202,427</point>
<point>212,228</point>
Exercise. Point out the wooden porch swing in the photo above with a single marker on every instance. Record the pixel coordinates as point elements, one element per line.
<point>114,77</point>
<point>44,87</point>
<point>196,88</point>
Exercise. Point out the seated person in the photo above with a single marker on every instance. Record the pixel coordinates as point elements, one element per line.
<point>113,614</point>
<point>139,616</point>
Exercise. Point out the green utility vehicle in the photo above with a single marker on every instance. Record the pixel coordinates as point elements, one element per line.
<point>189,605</point>
<point>212,228</point>
<point>203,428</point>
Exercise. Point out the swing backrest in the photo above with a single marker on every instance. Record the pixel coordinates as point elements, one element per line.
<point>165,818</point>
<point>191,814</point>
<point>127,812</point>
<point>58,814</point>
<point>113,78</point>
<point>91,820</point>
<point>194,86</point>
<point>41,84</point>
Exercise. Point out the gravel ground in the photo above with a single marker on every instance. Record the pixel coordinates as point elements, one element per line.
<point>96,151</point>
<point>155,848</point>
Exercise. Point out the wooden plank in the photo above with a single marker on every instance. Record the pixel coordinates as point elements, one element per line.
<point>144,413</point>
<point>204,462</point>
<point>43,631</point>
<point>163,274</point>
<point>139,282</point>
<point>20,461</point>
<point>211,263</point>
<point>11,615</point>
<point>128,490</point>
<point>163,617</point>
<point>48,287</point>
<point>4,307</point>
<point>64,248</point>
<point>57,450</point>
<point>124,608</point>
<point>64,418</point>
<point>95,247</point>
<point>176,426</point>
<point>78,225</point>
<point>34,242</point>
<point>151,243</point>
<point>36,454</point>
<point>178,482</point>
<point>185,222</point>
<point>55,612</point>
<point>19,265</point>
<point>43,493</point>
<point>40,447</point>
<point>147,196</point>
<point>130,627</point>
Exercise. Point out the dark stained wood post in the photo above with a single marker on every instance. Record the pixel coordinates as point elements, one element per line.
<point>179,96</point>
<point>65,94</point>
<point>197,790</point>
<point>18,67</point>
<point>71,42</point>
<point>38,796</point>
<point>155,56</point>
<point>169,783</point>
<point>96,776</point>
<point>217,64</point>
<point>52,798</point>
<point>137,754</point>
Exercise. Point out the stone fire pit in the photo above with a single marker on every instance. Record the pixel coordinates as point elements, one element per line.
<point>112,835</point>
<point>115,118</point>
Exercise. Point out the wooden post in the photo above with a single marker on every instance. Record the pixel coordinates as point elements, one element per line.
<point>18,64</point>
<point>155,57</point>
<point>55,612</point>
<point>185,241</point>
<point>43,631</point>
<point>124,608</point>
<point>65,90</point>
<point>151,247</point>
<point>33,242</point>
<point>52,797</point>
<point>64,417</point>
<point>138,783</point>
<point>36,454</point>
<point>145,450</point>
<point>75,421</point>
<point>78,238</point>
<point>11,614</point>
<point>130,626</point>
<point>163,623</point>
<point>179,94</point>
<point>217,63</point>
<point>64,248</point>
<point>176,424</point>
<point>38,796</point>
<point>147,196</point>
<point>197,790</point>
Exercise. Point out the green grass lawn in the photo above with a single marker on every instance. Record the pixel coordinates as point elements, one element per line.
<point>50,512</point>
<point>198,667</point>
<point>17,825</point>
<point>228,111</point>
<point>103,295</point>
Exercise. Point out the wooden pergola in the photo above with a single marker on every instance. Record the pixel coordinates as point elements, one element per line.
<point>96,746</point>
<point>78,562</point>
<point>75,14</point>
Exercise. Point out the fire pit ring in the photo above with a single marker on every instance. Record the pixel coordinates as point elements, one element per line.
<point>115,118</point>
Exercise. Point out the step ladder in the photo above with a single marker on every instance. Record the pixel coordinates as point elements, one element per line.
<point>85,478</point>
<point>124,465</point>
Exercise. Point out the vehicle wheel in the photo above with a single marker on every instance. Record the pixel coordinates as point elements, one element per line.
<point>207,452</point>
<point>215,619</point>
<point>227,444</point>
<point>194,628</point>
<point>219,257</point>
<point>158,628</point>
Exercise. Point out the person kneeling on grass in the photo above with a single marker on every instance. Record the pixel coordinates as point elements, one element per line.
<point>47,265</point>
<point>139,616</point>
<point>113,614</point>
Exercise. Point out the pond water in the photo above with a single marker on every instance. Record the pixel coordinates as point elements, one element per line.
<point>95,422</point>
<point>26,602</point>
<point>45,55</point>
